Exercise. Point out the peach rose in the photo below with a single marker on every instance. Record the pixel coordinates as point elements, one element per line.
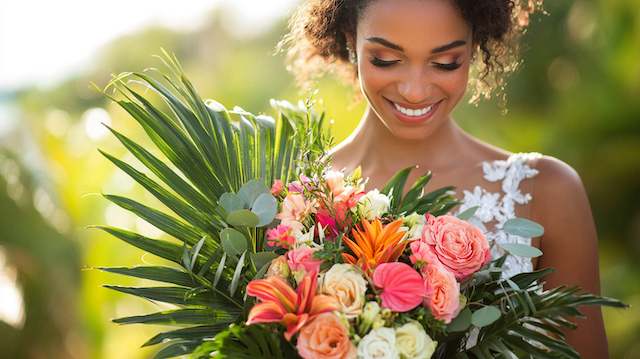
<point>442,292</point>
<point>459,246</point>
<point>325,337</point>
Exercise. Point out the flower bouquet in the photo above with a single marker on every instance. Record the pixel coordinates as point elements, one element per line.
<point>272,254</point>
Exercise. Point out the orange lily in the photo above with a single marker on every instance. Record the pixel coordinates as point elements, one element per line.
<point>374,244</point>
<point>281,304</point>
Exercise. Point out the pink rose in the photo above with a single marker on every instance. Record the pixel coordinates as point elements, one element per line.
<point>459,246</point>
<point>442,292</point>
<point>325,337</point>
<point>301,259</point>
<point>402,287</point>
<point>422,254</point>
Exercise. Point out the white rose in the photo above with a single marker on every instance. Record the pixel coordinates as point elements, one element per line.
<point>345,283</point>
<point>374,204</point>
<point>378,344</point>
<point>413,342</point>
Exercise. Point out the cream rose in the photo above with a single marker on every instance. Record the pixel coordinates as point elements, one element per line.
<point>413,342</point>
<point>345,283</point>
<point>378,344</point>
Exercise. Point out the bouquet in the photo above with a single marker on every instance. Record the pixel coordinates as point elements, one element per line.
<point>272,254</point>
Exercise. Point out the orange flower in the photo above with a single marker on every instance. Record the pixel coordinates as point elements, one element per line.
<point>374,244</point>
<point>281,304</point>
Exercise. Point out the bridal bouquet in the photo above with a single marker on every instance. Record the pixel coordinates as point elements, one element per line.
<point>270,253</point>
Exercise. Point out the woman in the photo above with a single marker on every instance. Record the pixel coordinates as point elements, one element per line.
<point>413,59</point>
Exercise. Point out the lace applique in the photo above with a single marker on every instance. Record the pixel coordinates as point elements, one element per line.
<point>496,208</point>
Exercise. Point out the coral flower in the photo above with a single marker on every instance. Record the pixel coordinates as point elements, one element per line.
<point>281,304</point>
<point>402,287</point>
<point>373,244</point>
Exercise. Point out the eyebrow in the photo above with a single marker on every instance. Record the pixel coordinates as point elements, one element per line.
<point>391,45</point>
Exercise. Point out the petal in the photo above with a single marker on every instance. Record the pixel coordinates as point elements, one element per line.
<point>293,327</point>
<point>273,289</point>
<point>305,292</point>
<point>322,304</point>
<point>267,312</point>
<point>402,287</point>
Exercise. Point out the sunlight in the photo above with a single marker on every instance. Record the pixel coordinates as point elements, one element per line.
<point>11,303</point>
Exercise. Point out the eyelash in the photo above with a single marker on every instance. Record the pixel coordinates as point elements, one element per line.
<point>446,67</point>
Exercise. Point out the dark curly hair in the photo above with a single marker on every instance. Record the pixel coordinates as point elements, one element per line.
<point>319,32</point>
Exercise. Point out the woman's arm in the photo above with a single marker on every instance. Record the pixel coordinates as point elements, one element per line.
<point>570,246</point>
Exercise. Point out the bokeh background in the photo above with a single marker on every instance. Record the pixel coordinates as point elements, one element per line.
<point>576,97</point>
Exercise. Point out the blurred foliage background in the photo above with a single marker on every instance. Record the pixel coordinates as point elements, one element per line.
<point>576,97</point>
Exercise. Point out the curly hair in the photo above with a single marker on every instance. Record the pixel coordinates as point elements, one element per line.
<point>319,32</point>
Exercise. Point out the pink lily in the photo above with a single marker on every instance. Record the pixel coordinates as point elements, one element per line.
<point>279,303</point>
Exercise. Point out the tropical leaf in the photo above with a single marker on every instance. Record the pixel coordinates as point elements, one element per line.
<point>437,202</point>
<point>182,317</point>
<point>212,168</point>
<point>248,342</point>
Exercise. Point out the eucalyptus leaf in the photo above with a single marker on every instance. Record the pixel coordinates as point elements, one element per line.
<point>243,218</point>
<point>485,316</point>
<point>261,259</point>
<point>468,213</point>
<point>523,227</point>
<point>251,190</point>
<point>266,208</point>
<point>231,202</point>
<point>521,250</point>
<point>233,242</point>
<point>461,322</point>
<point>236,274</point>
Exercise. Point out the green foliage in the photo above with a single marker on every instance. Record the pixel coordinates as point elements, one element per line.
<point>247,342</point>
<point>523,319</point>
<point>222,164</point>
<point>437,202</point>
<point>523,227</point>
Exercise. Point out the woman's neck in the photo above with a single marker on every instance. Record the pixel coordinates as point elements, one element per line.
<point>372,145</point>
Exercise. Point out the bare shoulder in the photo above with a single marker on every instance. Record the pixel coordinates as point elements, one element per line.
<point>556,180</point>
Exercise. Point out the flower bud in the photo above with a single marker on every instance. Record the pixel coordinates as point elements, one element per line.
<point>278,268</point>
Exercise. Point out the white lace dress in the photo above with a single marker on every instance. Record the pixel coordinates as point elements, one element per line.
<point>495,208</point>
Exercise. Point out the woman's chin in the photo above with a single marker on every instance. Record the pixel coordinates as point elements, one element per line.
<point>406,133</point>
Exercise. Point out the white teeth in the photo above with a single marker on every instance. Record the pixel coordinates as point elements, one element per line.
<point>412,112</point>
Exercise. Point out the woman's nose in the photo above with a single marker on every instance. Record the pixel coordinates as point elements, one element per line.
<point>415,86</point>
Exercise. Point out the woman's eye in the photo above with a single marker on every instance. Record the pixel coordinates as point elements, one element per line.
<point>447,67</point>
<point>382,63</point>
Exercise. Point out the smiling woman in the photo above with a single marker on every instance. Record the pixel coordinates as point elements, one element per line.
<point>413,61</point>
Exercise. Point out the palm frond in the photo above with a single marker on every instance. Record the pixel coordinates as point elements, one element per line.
<point>203,153</point>
<point>532,321</point>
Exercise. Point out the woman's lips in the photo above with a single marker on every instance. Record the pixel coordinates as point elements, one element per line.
<point>413,119</point>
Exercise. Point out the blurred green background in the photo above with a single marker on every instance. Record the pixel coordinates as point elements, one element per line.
<point>576,97</point>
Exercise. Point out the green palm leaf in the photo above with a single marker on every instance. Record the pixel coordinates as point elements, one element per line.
<point>203,152</point>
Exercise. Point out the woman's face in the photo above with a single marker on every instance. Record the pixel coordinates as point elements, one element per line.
<point>413,63</point>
